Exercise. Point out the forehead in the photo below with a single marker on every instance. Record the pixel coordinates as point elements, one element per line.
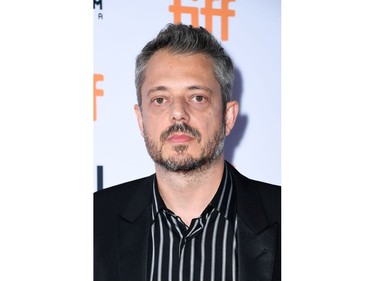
<point>165,65</point>
<point>167,60</point>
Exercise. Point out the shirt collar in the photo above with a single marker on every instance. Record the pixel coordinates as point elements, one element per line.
<point>223,201</point>
<point>157,201</point>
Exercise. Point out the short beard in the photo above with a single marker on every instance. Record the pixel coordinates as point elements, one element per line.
<point>210,152</point>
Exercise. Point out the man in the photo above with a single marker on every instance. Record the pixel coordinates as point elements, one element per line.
<point>196,218</point>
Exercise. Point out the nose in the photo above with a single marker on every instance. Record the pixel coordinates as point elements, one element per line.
<point>179,111</point>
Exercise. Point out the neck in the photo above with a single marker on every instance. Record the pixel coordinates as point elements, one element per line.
<point>188,194</point>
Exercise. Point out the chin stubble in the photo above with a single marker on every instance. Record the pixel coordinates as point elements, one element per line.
<point>186,163</point>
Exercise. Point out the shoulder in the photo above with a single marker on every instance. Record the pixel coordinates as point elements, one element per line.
<point>267,195</point>
<point>121,195</point>
<point>270,194</point>
<point>266,188</point>
<point>123,187</point>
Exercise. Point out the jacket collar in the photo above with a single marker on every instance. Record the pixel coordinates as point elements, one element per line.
<point>249,203</point>
<point>138,200</point>
<point>257,239</point>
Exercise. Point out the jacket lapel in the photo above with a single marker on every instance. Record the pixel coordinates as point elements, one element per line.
<point>134,224</point>
<point>257,240</point>
<point>256,252</point>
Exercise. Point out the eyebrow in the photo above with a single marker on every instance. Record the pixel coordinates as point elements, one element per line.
<point>164,88</point>
<point>156,89</point>
<point>197,87</point>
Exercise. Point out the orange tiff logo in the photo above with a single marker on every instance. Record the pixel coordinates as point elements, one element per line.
<point>97,92</point>
<point>208,11</point>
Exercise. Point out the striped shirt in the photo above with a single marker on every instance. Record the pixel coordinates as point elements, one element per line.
<point>206,250</point>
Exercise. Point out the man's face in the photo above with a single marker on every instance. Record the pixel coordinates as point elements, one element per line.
<point>182,116</point>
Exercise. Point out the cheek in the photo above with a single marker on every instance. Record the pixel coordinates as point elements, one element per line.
<point>212,121</point>
<point>152,128</point>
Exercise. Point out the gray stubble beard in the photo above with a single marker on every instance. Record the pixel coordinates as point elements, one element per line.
<point>210,152</point>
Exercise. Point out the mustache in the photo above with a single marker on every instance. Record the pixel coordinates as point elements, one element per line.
<point>182,128</point>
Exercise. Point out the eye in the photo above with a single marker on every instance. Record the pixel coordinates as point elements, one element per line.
<point>158,100</point>
<point>199,98</point>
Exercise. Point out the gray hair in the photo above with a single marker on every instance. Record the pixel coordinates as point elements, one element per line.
<point>186,39</point>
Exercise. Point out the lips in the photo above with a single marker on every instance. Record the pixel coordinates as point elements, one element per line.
<point>180,133</point>
<point>178,138</point>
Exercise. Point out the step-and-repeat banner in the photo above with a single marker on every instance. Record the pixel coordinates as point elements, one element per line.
<point>249,30</point>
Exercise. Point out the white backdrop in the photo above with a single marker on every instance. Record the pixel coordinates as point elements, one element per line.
<point>122,28</point>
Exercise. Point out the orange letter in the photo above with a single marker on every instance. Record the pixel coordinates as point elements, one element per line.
<point>224,12</point>
<point>177,10</point>
<point>97,92</point>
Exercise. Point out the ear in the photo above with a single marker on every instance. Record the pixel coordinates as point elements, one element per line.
<point>231,116</point>
<point>138,113</point>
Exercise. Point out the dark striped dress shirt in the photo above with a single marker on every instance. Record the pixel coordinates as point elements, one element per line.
<point>206,250</point>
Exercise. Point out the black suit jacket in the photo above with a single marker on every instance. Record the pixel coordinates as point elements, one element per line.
<point>122,218</point>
